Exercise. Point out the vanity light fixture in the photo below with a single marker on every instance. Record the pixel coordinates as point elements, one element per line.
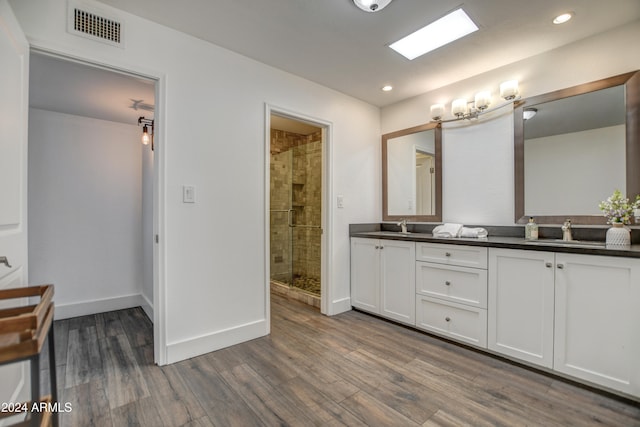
<point>561,19</point>
<point>462,109</point>
<point>371,5</point>
<point>146,136</point>
<point>528,113</point>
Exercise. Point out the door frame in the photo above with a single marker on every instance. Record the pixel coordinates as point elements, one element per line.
<point>159,191</point>
<point>326,292</point>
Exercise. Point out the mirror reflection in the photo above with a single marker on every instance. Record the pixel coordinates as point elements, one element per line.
<point>574,153</point>
<point>412,174</point>
<point>574,147</point>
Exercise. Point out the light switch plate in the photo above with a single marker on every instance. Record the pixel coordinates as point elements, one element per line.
<point>340,201</point>
<point>188,194</point>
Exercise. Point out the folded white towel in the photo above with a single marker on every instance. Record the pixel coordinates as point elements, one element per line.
<point>473,232</point>
<point>447,230</point>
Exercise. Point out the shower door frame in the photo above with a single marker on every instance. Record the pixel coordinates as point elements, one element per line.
<point>326,220</point>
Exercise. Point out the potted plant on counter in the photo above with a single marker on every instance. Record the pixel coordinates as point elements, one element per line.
<point>618,210</point>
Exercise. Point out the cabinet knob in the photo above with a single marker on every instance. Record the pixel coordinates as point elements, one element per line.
<point>448,283</point>
<point>549,265</point>
<point>448,319</point>
<point>560,266</point>
<point>377,247</point>
<point>447,254</point>
<point>381,247</point>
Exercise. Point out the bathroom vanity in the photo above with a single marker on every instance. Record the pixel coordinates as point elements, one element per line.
<point>568,309</point>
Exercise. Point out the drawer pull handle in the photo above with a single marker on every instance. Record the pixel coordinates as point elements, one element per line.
<point>448,319</point>
<point>560,266</point>
<point>549,265</point>
<point>448,283</point>
<point>447,254</point>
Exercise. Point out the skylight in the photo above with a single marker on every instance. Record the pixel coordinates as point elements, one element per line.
<point>449,28</point>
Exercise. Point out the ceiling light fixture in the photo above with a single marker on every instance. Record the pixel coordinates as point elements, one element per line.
<point>371,5</point>
<point>462,109</point>
<point>561,19</point>
<point>445,30</point>
<point>528,113</point>
<point>387,88</point>
<point>146,136</point>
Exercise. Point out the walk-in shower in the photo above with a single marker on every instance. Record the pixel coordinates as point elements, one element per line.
<point>295,204</point>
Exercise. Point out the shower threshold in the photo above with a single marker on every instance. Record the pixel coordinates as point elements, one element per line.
<point>295,293</point>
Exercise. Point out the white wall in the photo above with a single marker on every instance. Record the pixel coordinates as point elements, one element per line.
<point>85,211</point>
<point>559,171</point>
<point>211,135</point>
<point>586,60</point>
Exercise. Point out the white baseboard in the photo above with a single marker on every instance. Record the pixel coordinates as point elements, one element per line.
<point>147,307</point>
<point>215,341</point>
<point>66,311</point>
<point>340,306</point>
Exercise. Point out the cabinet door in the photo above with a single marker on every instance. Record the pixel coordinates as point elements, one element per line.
<point>597,320</point>
<point>521,304</point>
<point>397,280</point>
<point>365,274</point>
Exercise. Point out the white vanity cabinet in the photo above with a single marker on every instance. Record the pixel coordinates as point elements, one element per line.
<point>451,291</point>
<point>521,304</point>
<point>597,320</point>
<point>383,278</point>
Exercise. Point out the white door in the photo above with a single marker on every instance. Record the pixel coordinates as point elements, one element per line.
<point>14,104</point>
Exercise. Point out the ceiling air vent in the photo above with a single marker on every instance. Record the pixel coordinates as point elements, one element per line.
<point>94,25</point>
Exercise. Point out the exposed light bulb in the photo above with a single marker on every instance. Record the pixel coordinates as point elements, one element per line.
<point>145,135</point>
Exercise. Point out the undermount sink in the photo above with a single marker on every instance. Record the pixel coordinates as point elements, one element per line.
<point>568,243</point>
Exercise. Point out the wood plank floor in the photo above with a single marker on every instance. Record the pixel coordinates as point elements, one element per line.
<point>351,369</point>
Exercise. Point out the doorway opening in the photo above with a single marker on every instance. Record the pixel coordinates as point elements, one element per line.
<point>93,208</point>
<point>296,208</point>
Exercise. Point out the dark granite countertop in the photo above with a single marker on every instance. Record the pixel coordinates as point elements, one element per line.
<point>586,246</point>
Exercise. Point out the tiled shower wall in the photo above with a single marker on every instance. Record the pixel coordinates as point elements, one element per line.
<point>296,183</point>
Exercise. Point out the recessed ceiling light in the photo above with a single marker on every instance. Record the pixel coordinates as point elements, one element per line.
<point>387,88</point>
<point>561,19</point>
<point>451,27</point>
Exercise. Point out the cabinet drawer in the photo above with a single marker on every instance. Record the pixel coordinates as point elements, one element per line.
<point>458,284</point>
<point>456,321</point>
<point>465,256</point>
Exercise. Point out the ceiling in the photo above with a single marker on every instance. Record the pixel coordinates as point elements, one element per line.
<point>76,88</point>
<point>339,46</point>
<point>330,42</point>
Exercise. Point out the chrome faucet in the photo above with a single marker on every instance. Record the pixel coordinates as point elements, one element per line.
<point>403,226</point>
<point>566,231</point>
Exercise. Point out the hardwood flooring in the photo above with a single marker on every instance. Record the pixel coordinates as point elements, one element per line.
<point>351,369</point>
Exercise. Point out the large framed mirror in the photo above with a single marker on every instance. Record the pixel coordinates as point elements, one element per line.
<point>575,148</point>
<point>412,174</point>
